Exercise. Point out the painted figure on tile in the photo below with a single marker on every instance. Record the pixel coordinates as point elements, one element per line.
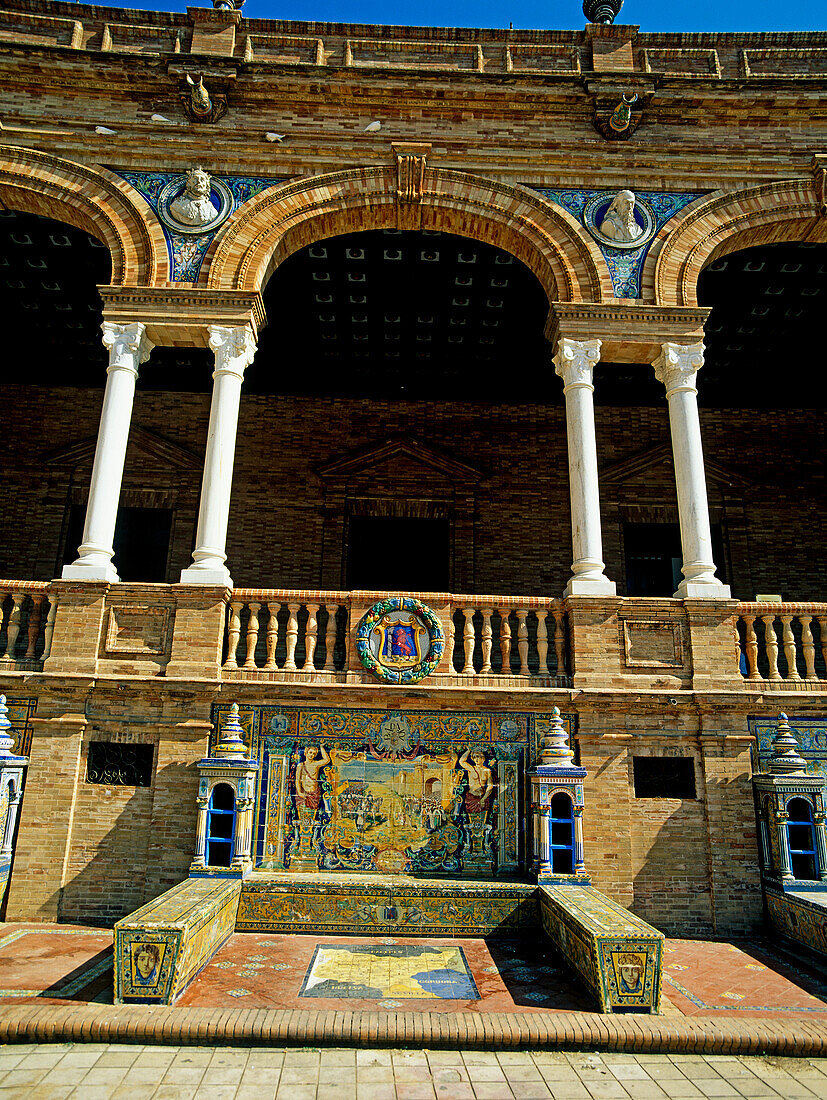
<point>309,800</point>
<point>194,205</point>
<point>477,802</point>
<point>308,790</point>
<point>619,223</point>
<point>146,961</point>
<point>631,970</point>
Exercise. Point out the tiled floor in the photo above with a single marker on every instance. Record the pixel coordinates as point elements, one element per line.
<point>206,1073</point>
<point>701,978</point>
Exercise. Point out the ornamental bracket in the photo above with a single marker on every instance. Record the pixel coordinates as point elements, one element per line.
<point>411,158</point>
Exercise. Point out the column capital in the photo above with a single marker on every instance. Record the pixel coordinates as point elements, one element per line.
<point>234,348</point>
<point>127,345</point>
<point>575,361</point>
<point>677,365</point>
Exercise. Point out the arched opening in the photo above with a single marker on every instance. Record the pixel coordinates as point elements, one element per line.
<point>220,826</point>
<point>802,840</point>
<point>561,834</point>
<point>51,391</point>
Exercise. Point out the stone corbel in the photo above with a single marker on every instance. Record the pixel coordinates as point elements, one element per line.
<point>411,160</point>
<point>820,182</point>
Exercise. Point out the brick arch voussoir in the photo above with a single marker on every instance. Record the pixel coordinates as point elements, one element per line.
<point>281,221</point>
<point>90,199</point>
<point>786,210</point>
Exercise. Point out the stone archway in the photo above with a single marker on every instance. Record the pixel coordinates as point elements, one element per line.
<point>277,223</point>
<point>91,199</point>
<point>786,210</point>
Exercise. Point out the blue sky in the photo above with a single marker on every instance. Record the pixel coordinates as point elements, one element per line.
<point>651,15</point>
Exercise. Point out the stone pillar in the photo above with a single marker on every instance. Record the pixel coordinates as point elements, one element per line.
<point>574,362</point>
<point>820,843</point>
<point>676,367</point>
<point>200,857</point>
<point>234,349</point>
<point>784,865</point>
<point>128,347</point>
<point>579,852</point>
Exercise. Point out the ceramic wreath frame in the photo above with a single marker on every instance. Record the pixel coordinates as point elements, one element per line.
<point>374,615</point>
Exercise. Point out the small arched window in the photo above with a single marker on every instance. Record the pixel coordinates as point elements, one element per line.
<point>220,826</point>
<point>561,834</point>
<point>801,839</point>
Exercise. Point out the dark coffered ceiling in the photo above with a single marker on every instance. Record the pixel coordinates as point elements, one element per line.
<point>414,316</point>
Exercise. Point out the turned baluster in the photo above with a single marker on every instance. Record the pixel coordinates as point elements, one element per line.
<point>292,636</point>
<point>449,648</point>
<point>522,641</point>
<point>311,634</point>
<point>233,633</point>
<point>487,638</point>
<point>34,625</point>
<point>752,647</point>
<point>14,624</point>
<point>559,642</point>
<point>771,644</point>
<point>822,628</point>
<point>505,641</point>
<point>330,637</point>
<point>50,627</point>
<point>468,639</point>
<point>2,619</point>
<point>272,638</point>
<point>542,641</point>
<point>789,646</point>
<point>252,637</point>
<point>808,647</point>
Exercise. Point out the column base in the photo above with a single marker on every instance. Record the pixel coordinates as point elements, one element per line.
<point>590,586</point>
<point>194,575</point>
<point>692,590</point>
<point>76,572</point>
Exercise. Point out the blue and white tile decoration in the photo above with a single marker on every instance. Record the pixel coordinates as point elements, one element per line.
<point>186,252</point>
<point>625,265</point>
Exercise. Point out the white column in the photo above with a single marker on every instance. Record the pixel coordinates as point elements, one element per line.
<point>574,362</point>
<point>234,349</point>
<point>676,367</point>
<point>128,348</point>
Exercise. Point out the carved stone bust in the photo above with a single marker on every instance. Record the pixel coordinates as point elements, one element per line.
<point>619,223</point>
<point>194,206</point>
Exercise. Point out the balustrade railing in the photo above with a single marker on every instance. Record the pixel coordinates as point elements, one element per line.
<point>495,636</point>
<point>281,633</point>
<point>27,619</point>
<point>782,643</point>
<point>285,631</point>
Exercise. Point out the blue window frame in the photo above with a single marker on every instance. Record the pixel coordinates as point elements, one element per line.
<point>801,839</point>
<point>561,834</point>
<point>220,826</point>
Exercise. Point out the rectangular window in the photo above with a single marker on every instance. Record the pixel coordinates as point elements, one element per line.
<point>654,557</point>
<point>141,541</point>
<point>398,553</point>
<point>115,764</point>
<point>664,776</point>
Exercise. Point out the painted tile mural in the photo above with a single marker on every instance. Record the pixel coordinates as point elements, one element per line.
<point>389,792</point>
<point>375,971</point>
<point>810,733</point>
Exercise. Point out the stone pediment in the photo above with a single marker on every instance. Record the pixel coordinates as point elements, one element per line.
<point>400,458</point>
<point>638,464</point>
<point>149,443</point>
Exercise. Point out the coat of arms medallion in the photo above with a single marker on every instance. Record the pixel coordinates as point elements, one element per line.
<point>400,640</point>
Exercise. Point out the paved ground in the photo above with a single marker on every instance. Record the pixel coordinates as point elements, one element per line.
<point>69,964</point>
<point>92,1072</point>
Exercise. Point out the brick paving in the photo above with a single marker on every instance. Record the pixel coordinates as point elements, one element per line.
<point>117,1072</point>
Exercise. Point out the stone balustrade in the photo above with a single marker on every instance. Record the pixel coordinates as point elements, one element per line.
<point>280,631</point>
<point>27,619</point>
<point>497,636</point>
<point>783,643</point>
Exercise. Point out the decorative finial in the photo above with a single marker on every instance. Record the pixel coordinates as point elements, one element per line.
<point>786,759</point>
<point>555,752</point>
<point>6,740</point>
<point>228,5</point>
<point>601,11</point>
<point>231,736</point>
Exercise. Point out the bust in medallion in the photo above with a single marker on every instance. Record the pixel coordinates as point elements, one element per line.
<point>619,222</point>
<point>194,207</point>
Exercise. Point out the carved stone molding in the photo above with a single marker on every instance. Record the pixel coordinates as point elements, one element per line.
<point>575,361</point>
<point>677,366</point>
<point>410,170</point>
<point>630,332</point>
<point>179,317</point>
